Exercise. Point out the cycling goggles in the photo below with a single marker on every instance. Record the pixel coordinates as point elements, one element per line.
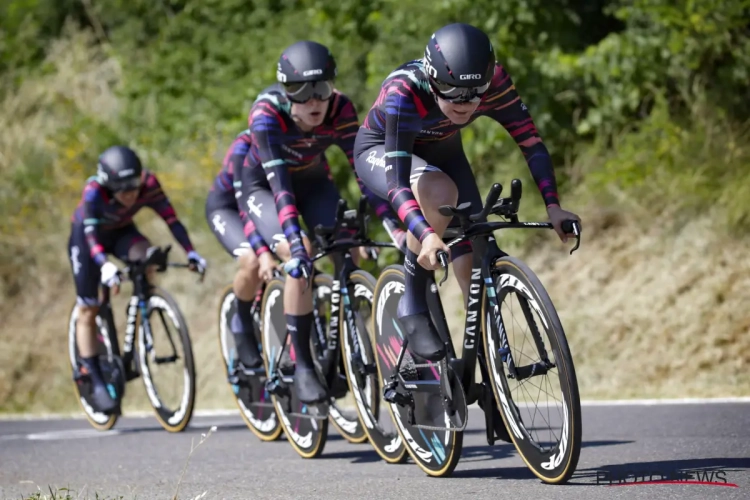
<point>131,184</point>
<point>453,94</point>
<point>304,91</point>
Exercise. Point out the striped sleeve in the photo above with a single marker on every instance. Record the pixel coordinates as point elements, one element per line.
<point>506,107</point>
<point>268,129</point>
<point>156,199</point>
<point>93,209</point>
<point>404,112</point>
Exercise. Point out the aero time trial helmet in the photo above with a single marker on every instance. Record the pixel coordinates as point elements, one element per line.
<point>119,169</point>
<point>307,69</point>
<point>460,62</point>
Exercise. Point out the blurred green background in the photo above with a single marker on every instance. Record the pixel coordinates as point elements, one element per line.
<point>642,103</point>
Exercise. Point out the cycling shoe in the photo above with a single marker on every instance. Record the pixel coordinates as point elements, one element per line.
<point>424,340</point>
<point>101,400</point>
<point>308,386</point>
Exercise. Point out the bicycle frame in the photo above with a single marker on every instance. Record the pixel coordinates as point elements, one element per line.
<point>137,304</point>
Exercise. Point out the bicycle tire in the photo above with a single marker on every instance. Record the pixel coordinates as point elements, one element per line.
<point>98,420</point>
<point>390,446</point>
<point>307,436</point>
<point>435,456</point>
<point>171,420</point>
<point>559,464</point>
<point>262,421</point>
<point>349,427</point>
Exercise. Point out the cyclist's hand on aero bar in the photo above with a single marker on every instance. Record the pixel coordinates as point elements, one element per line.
<point>557,215</point>
<point>299,265</point>
<point>428,255</point>
<point>110,277</point>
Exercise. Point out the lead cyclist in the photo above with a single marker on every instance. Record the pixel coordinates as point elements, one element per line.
<point>409,151</point>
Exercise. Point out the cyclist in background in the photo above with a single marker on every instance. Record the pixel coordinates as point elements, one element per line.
<point>103,224</point>
<point>409,151</point>
<point>287,175</point>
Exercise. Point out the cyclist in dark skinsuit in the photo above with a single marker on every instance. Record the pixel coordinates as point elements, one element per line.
<point>103,223</point>
<point>241,241</point>
<point>286,175</point>
<point>409,151</point>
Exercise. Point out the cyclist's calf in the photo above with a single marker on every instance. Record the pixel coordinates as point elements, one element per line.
<point>86,330</point>
<point>246,279</point>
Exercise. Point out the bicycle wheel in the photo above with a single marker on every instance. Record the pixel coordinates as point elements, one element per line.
<point>552,460</point>
<point>436,452</point>
<point>152,354</point>
<point>343,417</point>
<point>250,394</point>
<point>307,435</point>
<point>362,374</point>
<point>113,370</point>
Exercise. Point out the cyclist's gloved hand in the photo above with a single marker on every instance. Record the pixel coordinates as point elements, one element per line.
<point>293,267</point>
<point>197,261</point>
<point>397,235</point>
<point>110,276</point>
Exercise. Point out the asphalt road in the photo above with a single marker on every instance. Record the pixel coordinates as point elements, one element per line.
<point>138,459</point>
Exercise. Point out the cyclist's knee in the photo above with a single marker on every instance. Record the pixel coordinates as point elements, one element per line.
<point>87,313</point>
<point>282,251</point>
<point>434,189</point>
<point>248,263</point>
<point>138,250</point>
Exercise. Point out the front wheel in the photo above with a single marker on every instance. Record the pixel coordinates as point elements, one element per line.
<point>518,336</point>
<point>164,340</point>
<point>306,434</point>
<point>249,392</point>
<point>362,374</point>
<point>436,452</point>
<point>109,361</point>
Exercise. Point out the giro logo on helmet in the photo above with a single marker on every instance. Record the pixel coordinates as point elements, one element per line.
<point>429,68</point>
<point>475,76</point>
<point>312,72</point>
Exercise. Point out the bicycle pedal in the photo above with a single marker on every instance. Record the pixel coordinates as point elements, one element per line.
<point>276,387</point>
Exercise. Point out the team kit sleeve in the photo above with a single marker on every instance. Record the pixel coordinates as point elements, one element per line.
<point>404,113</point>
<point>93,210</point>
<point>268,131</point>
<point>507,108</point>
<point>158,201</point>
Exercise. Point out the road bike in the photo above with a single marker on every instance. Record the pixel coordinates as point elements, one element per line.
<point>429,401</point>
<point>350,299</point>
<point>139,356</point>
<point>248,386</point>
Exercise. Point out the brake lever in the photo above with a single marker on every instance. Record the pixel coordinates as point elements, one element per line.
<point>443,258</point>
<point>572,227</point>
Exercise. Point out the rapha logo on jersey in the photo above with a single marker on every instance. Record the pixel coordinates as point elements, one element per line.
<point>373,160</point>
<point>219,225</point>
<point>74,253</point>
<point>255,209</point>
<point>475,76</point>
<point>523,107</point>
<point>312,72</point>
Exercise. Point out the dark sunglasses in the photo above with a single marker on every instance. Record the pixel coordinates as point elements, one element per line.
<point>458,95</point>
<point>304,91</point>
<point>126,185</point>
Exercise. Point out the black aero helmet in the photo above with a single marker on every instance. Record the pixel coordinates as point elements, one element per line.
<point>460,62</point>
<point>119,169</point>
<point>307,69</point>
